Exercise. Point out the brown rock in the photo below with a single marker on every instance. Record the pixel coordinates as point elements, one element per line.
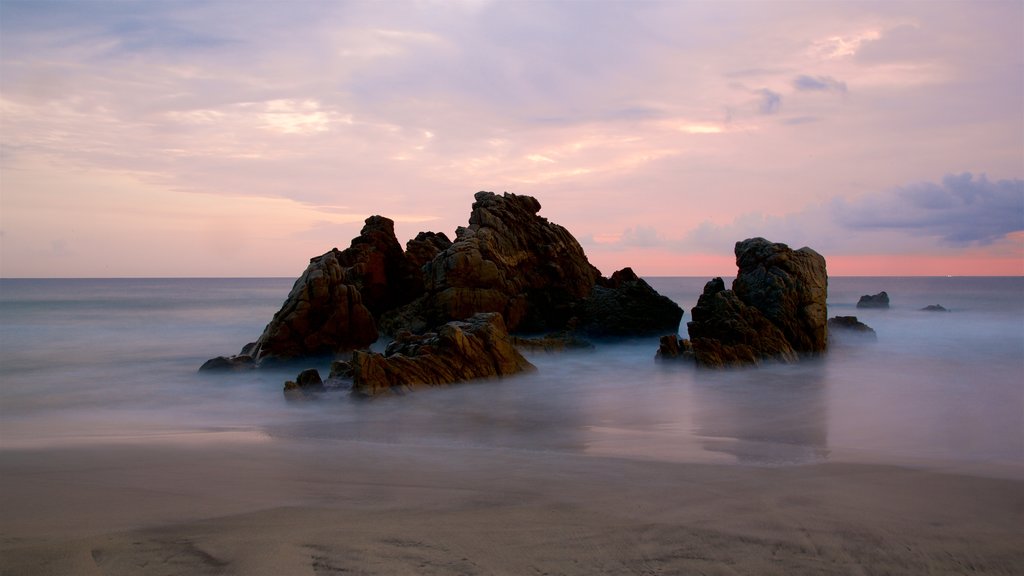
<point>512,261</point>
<point>460,350</point>
<point>789,287</point>
<point>725,331</point>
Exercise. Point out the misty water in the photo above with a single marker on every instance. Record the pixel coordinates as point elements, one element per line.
<point>93,362</point>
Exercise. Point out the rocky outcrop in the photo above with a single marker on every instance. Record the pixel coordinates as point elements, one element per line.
<point>776,309</point>
<point>935,308</point>
<point>508,260</point>
<point>307,383</point>
<point>841,328</point>
<point>626,305</point>
<point>789,287</point>
<point>725,331</point>
<point>460,350</point>
<point>323,314</point>
<point>333,305</point>
<point>512,261</point>
<point>880,300</point>
<point>672,347</point>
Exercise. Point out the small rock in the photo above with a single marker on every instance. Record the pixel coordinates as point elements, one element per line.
<point>880,300</point>
<point>843,327</point>
<point>934,308</point>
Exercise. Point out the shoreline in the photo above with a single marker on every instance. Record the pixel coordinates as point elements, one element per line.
<point>322,507</point>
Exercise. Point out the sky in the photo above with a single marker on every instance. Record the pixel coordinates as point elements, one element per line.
<point>230,138</point>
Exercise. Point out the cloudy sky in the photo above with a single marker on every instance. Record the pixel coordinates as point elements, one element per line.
<point>195,138</point>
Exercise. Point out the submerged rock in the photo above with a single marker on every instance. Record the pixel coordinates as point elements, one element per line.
<point>880,300</point>
<point>228,363</point>
<point>672,347</point>
<point>776,309</point>
<point>460,350</point>
<point>307,383</point>
<point>846,327</point>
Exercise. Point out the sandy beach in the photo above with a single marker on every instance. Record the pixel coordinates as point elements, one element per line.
<point>259,506</point>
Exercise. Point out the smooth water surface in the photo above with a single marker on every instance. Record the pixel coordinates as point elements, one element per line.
<point>102,361</point>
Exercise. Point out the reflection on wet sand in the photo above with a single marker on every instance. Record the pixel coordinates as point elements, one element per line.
<point>767,416</point>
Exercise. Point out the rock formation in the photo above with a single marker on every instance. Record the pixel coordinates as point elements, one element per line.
<point>508,260</point>
<point>789,287</point>
<point>512,261</point>
<point>842,328</point>
<point>626,305</point>
<point>725,331</point>
<point>776,309</point>
<point>935,308</point>
<point>460,350</point>
<point>672,347</point>
<point>307,383</point>
<point>880,300</point>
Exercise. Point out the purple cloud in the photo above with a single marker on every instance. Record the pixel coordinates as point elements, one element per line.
<point>961,210</point>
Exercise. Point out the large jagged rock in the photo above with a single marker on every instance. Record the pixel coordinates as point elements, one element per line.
<point>332,305</point>
<point>512,261</point>
<point>789,287</point>
<point>507,260</point>
<point>321,315</point>
<point>776,309</point>
<point>460,350</point>
<point>626,305</point>
<point>725,331</point>
<point>376,265</point>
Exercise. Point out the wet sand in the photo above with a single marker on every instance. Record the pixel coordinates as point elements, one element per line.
<point>252,506</point>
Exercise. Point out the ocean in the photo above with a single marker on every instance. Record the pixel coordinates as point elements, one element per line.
<point>92,362</point>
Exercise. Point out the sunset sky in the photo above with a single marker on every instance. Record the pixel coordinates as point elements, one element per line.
<point>194,138</point>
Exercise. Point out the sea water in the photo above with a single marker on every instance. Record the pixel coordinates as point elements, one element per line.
<point>93,362</point>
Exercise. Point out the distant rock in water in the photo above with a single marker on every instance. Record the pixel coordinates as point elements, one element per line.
<point>880,300</point>
<point>776,309</point>
<point>934,308</point>
<point>460,350</point>
<point>842,328</point>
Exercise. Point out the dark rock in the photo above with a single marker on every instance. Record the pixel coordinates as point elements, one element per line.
<point>508,260</point>
<point>671,347</point>
<point>554,342</point>
<point>789,287</point>
<point>340,369</point>
<point>306,384</point>
<point>880,300</point>
<point>626,305</point>
<point>512,261</point>
<point>775,311</point>
<point>460,350</point>
<point>934,308</point>
<point>425,247</point>
<point>228,363</point>
<point>376,265</point>
<point>844,327</point>
<point>322,315</point>
<point>727,332</point>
